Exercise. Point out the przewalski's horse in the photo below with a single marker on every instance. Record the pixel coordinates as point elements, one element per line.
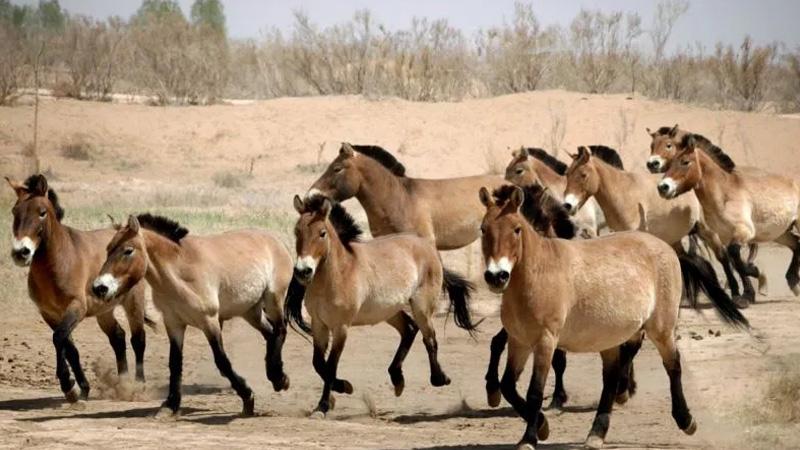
<point>535,166</point>
<point>594,295</point>
<point>741,207</point>
<point>630,203</point>
<point>444,211</point>
<point>63,262</point>
<point>202,281</point>
<point>664,147</point>
<point>352,283</point>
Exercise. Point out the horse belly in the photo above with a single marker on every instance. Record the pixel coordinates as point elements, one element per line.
<point>605,321</point>
<point>235,300</point>
<point>381,306</point>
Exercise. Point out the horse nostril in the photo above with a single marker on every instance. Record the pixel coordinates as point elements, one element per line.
<point>663,188</point>
<point>100,290</point>
<point>24,252</point>
<point>652,165</point>
<point>488,277</point>
<point>503,276</point>
<point>302,273</point>
<point>568,206</point>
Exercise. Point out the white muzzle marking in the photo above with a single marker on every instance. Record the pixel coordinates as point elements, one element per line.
<point>313,192</point>
<point>495,267</point>
<point>18,245</point>
<point>573,202</point>
<point>110,282</point>
<point>656,161</point>
<point>667,187</point>
<point>305,263</point>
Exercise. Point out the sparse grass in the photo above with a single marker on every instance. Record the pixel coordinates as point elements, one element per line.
<point>230,180</point>
<point>77,148</point>
<point>126,165</point>
<point>781,403</point>
<point>313,168</point>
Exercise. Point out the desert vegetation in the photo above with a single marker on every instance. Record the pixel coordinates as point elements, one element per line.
<point>177,58</point>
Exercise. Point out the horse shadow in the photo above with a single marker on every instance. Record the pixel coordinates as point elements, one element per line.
<point>422,417</point>
<point>133,413</point>
<point>32,404</point>
<point>551,446</point>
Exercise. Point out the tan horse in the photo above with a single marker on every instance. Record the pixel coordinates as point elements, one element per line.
<point>531,166</point>
<point>664,147</point>
<point>203,281</point>
<point>444,211</point>
<point>352,283</point>
<point>741,207</point>
<point>594,295</point>
<point>63,262</point>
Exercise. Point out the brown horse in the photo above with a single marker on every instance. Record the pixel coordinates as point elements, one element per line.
<point>530,166</point>
<point>594,295</point>
<point>741,207</point>
<point>352,283</point>
<point>63,262</point>
<point>203,281</point>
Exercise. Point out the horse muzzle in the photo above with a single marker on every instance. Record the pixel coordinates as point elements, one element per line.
<point>497,281</point>
<point>22,251</point>
<point>655,165</point>
<point>105,287</point>
<point>303,274</point>
<point>667,188</point>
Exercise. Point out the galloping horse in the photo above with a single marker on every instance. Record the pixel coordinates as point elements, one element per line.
<point>352,283</point>
<point>63,262</point>
<point>741,207</point>
<point>530,166</point>
<point>203,281</point>
<point>594,295</point>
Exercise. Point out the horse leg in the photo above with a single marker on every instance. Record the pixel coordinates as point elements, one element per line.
<point>176,331</point>
<point>273,307</point>
<point>214,337</point>
<point>408,331</point>
<point>612,368</point>
<point>664,342</point>
<point>74,360</point>
<point>518,355</point>
<point>537,428</point>
<point>422,316</point>
<point>272,360</point>
<point>627,384</point>
<point>792,241</point>
<point>749,294</point>
<point>61,335</point>
<point>321,335</point>
<point>331,365</point>
<point>134,311</point>
<point>492,377</point>
<point>116,337</point>
<point>559,364</point>
<point>712,239</point>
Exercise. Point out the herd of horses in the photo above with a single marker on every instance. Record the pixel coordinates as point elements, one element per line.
<point>564,287</point>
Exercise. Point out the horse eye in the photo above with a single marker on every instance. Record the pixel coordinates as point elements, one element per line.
<point>338,169</point>
<point>42,213</point>
<point>323,233</point>
<point>584,175</point>
<point>128,251</point>
<point>685,162</point>
<point>517,230</point>
<point>520,171</point>
<point>669,145</point>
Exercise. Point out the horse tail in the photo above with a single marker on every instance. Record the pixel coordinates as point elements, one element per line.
<point>698,274</point>
<point>150,322</point>
<point>293,306</point>
<point>460,290</point>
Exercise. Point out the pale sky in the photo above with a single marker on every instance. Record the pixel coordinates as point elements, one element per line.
<point>707,21</point>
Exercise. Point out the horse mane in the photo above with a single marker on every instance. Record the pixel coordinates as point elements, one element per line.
<point>607,154</point>
<point>382,156</point>
<point>664,131</point>
<point>345,225</point>
<point>540,209</point>
<point>716,153</point>
<point>168,228</point>
<point>51,195</point>
<point>549,160</point>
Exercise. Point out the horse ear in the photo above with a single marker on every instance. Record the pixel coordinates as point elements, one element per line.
<point>583,154</point>
<point>133,224</point>
<point>673,131</point>
<point>116,225</point>
<point>689,143</point>
<point>486,199</point>
<point>38,186</point>
<point>651,133</point>
<point>347,150</point>
<point>298,204</point>
<point>18,187</point>
<point>517,198</point>
<point>325,209</point>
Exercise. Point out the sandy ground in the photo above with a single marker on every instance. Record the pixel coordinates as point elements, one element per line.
<point>167,158</point>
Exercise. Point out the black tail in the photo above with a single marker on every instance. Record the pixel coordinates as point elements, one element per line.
<point>699,274</point>
<point>150,322</point>
<point>293,307</point>
<point>460,290</point>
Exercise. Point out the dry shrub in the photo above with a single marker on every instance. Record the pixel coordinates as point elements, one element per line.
<point>89,49</point>
<point>12,62</point>
<point>230,180</point>
<point>781,403</point>
<point>740,75</point>
<point>77,148</point>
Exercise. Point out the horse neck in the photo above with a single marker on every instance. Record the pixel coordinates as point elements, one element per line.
<point>538,254</point>
<point>615,188</point>
<point>714,182</point>
<point>58,247</point>
<point>162,256</point>
<point>384,198</point>
<point>337,263</point>
<point>551,179</point>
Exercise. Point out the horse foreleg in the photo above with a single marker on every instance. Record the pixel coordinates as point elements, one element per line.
<point>612,368</point>
<point>176,332</point>
<point>274,334</point>
<point>61,336</point>
<point>321,335</point>
<point>408,331</point>
<point>214,337</point>
<point>331,365</point>
<point>536,427</point>
<point>116,337</point>
<point>748,294</point>
<point>496,349</point>
<point>664,342</point>
<point>74,360</point>
<point>712,239</point>
<point>627,383</point>
<point>792,241</point>
<point>559,364</point>
<point>518,355</point>
<point>134,311</point>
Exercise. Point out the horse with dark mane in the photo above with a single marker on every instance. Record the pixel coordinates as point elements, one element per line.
<point>63,262</point>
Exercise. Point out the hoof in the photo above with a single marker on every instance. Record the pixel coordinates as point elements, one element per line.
<point>622,398</point>
<point>398,388</point>
<point>331,402</point>
<point>763,288</point>
<point>282,384</point>
<point>166,413</point>
<point>741,302</point>
<point>525,446</point>
<point>347,388</point>
<point>317,414</point>
<point>594,442</point>
<point>795,289</point>
<point>440,380</point>
<point>80,405</point>
<point>691,429</point>
<point>73,395</point>
<point>557,402</point>
<point>249,406</point>
<point>493,398</point>
<point>544,430</point>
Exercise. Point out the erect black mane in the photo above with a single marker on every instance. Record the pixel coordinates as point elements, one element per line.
<point>664,131</point>
<point>716,153</point>
<point>607,154</point>
<point>540,209</point>
<point>168,228</point>
<point>549,160</point>
<point>381,155</point>
<point>51,195</point>
<point>345,225</point>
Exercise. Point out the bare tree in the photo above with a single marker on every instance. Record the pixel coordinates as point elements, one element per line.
<point>667,14</point>
<point>12,62</point>
<point>740,74</point>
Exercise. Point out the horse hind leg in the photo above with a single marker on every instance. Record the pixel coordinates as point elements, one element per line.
<point>664,341</point>
<point>408,331</point>
<point>614,363</point>
<point>422,310</point>
<point>329,374</point>
<point>762,277</point>
<point>214,337</point>
<point>745,271</point>
<point>134,307</point>
<point>792,241</point>
<point>627,383</point>
<point>274,333</point>
<point>559,364</point>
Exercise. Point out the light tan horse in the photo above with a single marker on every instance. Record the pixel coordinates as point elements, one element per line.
<point>203,281</point>
<point>664,147</point>
<point>351,283</point>
<point>531,166</point>
<point>594,295</point>
<point>444,211</point>
<point>63,262</point>
<point>740,207</point>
